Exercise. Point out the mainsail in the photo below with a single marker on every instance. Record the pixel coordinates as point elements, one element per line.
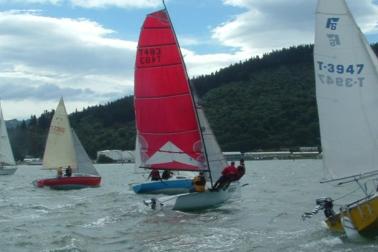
<point>347,92</point>
<point>59,151</point>
<point>167,120</point>
<point>6,154</point>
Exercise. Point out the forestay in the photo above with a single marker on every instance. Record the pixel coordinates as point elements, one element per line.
<point>6,154</point>
<point>59,151</point>
<point>347,92</point>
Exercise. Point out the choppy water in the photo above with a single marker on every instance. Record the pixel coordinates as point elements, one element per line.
<point>266,217</point>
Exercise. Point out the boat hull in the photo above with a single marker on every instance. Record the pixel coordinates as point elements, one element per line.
<point>172,186</point>
<point>194,201</point>
<point>7,171</point>
<point>361,217</point>
<point>69,183</point>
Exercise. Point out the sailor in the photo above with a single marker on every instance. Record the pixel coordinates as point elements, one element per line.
<point>199,182</point>
<point>68,171</point>
<point>241,170</point>
<point>59,172</point>
<point>328,208</point>
<point>154,175</point>
<point>166,174</point>
<point>228,175</point>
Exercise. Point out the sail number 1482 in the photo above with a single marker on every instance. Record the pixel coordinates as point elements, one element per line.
<point>340,69</point>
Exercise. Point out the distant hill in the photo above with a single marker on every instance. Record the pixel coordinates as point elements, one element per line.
<point>265,103</point>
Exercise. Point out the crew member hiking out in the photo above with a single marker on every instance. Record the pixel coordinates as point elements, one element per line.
<point>228,175</point>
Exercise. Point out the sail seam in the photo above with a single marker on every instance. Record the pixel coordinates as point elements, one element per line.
<point>160,97</point>
<point>164,65</point>
<point>170,133</point>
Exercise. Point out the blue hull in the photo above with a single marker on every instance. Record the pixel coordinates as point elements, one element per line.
<point>174,186</point>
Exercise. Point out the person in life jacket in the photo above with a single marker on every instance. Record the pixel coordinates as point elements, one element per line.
<point>166,174</point>
<point>68,172</point>
<point>154,175</point>
<point>229,174</point>
<point>241,170</point>
<point>199,182</point>
<point>59,172</point>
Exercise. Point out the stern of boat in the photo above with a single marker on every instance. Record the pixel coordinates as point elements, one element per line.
<point>361,216</point>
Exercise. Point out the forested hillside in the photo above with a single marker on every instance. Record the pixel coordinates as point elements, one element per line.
<point>263,103</point>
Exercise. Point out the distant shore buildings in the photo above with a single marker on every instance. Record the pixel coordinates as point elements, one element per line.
<point>128,156</point>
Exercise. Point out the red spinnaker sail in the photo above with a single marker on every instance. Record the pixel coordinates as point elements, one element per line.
<point>167,129</point>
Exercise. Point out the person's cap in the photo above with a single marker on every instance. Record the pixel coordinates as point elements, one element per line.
<point>241,160</point>
<point>232,162</point>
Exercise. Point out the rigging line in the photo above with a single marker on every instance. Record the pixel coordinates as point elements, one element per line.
<point>345,195</point>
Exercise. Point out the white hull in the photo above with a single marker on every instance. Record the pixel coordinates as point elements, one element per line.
<point>7,171</point>
<point>197,200</point>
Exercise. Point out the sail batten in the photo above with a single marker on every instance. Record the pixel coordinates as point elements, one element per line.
<point>347,92</point>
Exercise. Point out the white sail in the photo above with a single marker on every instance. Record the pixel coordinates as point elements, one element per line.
<point>214,155</point>
<point>6,154</point>
<point>59,150</point>
<point>347,92</point>
<point>84,163</point>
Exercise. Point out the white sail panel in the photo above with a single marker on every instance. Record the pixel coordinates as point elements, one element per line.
<point>347,92</point>
<point>59,150</point>
<point>84,163</point>
<point>214,156</point>
<point>6,154</point>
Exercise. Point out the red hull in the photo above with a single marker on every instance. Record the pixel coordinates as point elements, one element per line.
<point>66,183</point>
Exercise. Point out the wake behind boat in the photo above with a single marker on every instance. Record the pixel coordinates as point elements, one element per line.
<point>64,150</point>
<point>7,162</point>
<point>172,130</point>
<point>347,97</point>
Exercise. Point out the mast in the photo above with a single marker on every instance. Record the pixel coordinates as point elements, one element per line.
<point>192,96</point>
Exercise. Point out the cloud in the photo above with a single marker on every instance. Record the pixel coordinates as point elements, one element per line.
<point>55,2</point>
<point>116,3</point>
<point>273,24</point>
<point>63,52</point>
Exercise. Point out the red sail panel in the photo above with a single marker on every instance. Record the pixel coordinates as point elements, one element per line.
<point>168,133</point>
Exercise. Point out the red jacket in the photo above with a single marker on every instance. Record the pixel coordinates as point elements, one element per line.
<point>229,170</point>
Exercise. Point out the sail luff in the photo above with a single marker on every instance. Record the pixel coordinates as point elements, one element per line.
<point>59,149</point>
<point>346,90</point>
<point>194,100</point>
<point>6,154</point>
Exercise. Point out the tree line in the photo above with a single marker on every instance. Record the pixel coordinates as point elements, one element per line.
<point>263,103</point>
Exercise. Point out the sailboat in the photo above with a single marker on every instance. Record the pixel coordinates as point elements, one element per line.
<point>63,149</point>
<point>172,130</point>
<point>346,71</point>
<point>7,163</point>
